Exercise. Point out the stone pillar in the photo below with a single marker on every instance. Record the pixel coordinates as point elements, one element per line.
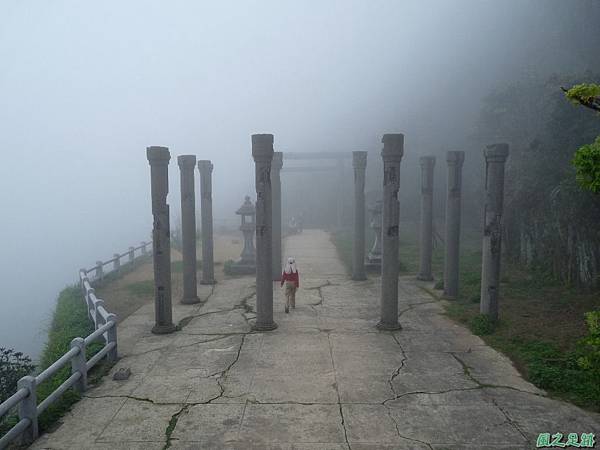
<point>374,256</point>
<point>495,158</point>
<point>187,165</point>
<point>262,152</point>
<point>276,190</point>
<point>393,150</point>
<point>159,157</point>
<point>426,247</point>
<point>451,258</point>
<point>359,163</point>
<point>208,264</point>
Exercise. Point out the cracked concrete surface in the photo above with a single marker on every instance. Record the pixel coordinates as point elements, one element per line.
<point>325,379</point>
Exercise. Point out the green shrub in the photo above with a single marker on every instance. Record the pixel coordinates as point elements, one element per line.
<point>588,348</point>
<point>13,366</point>
<point>481,325</point>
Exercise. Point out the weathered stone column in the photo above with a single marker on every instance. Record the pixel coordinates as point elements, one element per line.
<point>262,152</point>
<point>208,264</point>
<point>393,150</point>
<point>451,258</point>
<point>374,256</point>
<point>426,247</point>
<point>158,158</point>
<point>495,158</point>
<point>276,191</point>
<point>187,165</point>
<point>359,163</point>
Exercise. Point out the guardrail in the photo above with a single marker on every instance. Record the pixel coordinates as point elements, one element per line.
<point>105,328</point>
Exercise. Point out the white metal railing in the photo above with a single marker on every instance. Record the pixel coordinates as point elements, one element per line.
<point>105,329</point>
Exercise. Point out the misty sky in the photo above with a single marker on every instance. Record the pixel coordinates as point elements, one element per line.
<point>85,87</point>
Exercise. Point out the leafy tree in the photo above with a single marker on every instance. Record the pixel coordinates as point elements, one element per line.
<point>587,158</point>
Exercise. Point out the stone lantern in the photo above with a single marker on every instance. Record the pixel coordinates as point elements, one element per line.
<point>247,263</point>
<point>374,255</point>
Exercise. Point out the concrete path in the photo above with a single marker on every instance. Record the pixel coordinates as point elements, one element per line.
<point>326,379</point>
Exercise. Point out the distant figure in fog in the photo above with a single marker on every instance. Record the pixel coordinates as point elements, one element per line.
<point>291,279</point>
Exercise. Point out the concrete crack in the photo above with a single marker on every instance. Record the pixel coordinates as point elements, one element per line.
<point>397,371</point>
<point>173,424</point>
<point>510,421</point>
<point>223,374</point>
<point>320,291</point>
<point>337,391</point>
<point>414,305</point>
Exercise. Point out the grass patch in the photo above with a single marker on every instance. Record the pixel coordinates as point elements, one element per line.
<point>177,266</point>
<point>141,288</point>
<point>70,320</point>
<point>342,240</point>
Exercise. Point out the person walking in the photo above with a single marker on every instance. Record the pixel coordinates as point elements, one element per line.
<point>291,279</point>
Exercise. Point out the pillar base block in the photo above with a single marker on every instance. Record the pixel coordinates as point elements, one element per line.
<point>424,277</point>
<point>264,326</point>
<point>208,282</point>
<point>359,277</point>
<point>449,297</point>
<point>163,329</point>
<point>388,326</point>
<point>190,301</point>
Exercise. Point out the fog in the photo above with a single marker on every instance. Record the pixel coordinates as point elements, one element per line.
<point>86,87</point>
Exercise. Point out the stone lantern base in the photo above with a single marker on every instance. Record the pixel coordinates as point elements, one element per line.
<point>241,268</point>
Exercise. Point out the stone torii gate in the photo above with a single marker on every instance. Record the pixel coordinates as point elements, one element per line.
<point>338,157</point>
<point>359,163</point>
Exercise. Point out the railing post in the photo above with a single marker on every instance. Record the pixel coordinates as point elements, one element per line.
<point>78,364</point>
<point>117,262</point>
<point>28,408</point>
<point>144,249</point>
<point>98,319</point>
<point>131,256</point>
<point>112,337</point>
<point>99,271</point>
<point>90,303</point>
<point>81,280</point>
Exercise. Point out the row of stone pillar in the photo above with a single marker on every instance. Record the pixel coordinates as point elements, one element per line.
<point>393,149</point>
<point>495,157</point>
<point>159,158</point>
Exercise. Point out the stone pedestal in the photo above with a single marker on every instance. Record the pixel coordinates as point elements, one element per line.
<point>374,255</point>
<point>187,165</point>
<point>393,150</point>
<point>453,211</point>
<point>276,193</point>
<point>262,152</point>
<point>208,264</point>
<point>426,236</point>
<point>359,163</point>
<point>495,159</point>
<point>159,157</point>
